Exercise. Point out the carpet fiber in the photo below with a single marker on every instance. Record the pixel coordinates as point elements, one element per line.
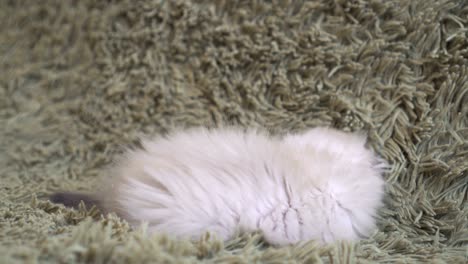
<point>80,80</point>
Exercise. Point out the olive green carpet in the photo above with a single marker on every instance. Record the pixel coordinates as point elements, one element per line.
<point>80,80</point>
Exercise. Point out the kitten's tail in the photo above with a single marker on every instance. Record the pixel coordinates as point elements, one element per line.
<point>70,199</point>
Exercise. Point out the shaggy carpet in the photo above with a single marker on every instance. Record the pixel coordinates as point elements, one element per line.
<point>80,80</point>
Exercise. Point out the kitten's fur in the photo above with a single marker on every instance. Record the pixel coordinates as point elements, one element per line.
<point>321,185</point>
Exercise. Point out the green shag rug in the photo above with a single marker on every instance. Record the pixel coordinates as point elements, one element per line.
<point>80,80</point>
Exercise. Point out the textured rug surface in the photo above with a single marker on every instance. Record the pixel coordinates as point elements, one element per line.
<point>80,80</point>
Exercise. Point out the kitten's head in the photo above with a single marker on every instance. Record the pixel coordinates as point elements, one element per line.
<point>335,195</point>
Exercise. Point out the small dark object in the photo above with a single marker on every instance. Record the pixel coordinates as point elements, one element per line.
<point>73,200</point>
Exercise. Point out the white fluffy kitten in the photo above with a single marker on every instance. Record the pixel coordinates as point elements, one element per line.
<point>321,185</point>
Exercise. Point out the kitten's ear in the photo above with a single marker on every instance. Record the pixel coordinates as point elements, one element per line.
<point>360,136</point>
